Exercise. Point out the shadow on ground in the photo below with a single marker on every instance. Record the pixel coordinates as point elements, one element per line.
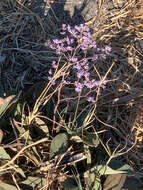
<point>24,27</point>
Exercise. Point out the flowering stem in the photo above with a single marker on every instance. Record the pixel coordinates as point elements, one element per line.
<point>57,104</point>
<point>76,111</point>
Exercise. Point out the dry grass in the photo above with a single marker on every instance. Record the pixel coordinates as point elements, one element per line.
<point>123,29</point>
<point>22,36</point>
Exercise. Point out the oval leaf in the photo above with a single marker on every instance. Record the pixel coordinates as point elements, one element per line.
<point>5,103</point>
<point>91,139</point>
<point>120,166</point>
<point>20,171</point>
<point>4,156</point>
<point>59,144</point>
<point>5,186</point>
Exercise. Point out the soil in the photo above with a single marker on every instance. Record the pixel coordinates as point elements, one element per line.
<point>72,11</point>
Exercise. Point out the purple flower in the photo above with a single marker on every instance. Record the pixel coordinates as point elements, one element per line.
<point>78,86</point>
<point>108,49</point>
<point>58,52</point>
<point>94,57</point>
<point>103,56</point>
<point>84,47</point>
<point>52,81</point>
<point>74,59</point>
<point>86,75</point>
<point>63,26</point>
<point>86,28</point>
<point>81,25</point>
<point>83,62</point>
<point>77,66</point>
<point>86,39</point>
<point>54,65</point>
<point>56,41</point>
<point>98,49</point>
<point>88,34</point>
<point>88,84</point>
<point>80,74</point>
<point>50,71</point>
<point>62,73</point>
<point>96,83</point>
<point>67,40</point>
<point>78,40</point>
<point>70,30</point>
<point>104,84</point>
<point>62,32</point>
<point>69,48</point>
<point>78,28</point>
<point>52,46</point>
<point>71,40</point>
<point>66,82</point>
<point>86,67</point>
<point>91,84</point>
<point>94,44</point>
<point>91,99</point>
<point>49,78</point>
<point>68,27</point>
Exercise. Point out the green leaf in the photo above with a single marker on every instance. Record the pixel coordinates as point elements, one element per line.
<point>59,144</point>
<point>91,139</point>
<point>32,157</point>
<point>29,140</point>
<point>17,112</point>
<point>70,183</point>
<point>7,102</point>
<point>81,119</point>
<point>1,135</point>
<point>97,185</point>
<point>49,109</point>
<point>4,156</point>
<point>21,130</point>
<point>88,154</point>
<point>5,186</point>
<point>20,171</point>
<point>42,128</point>
<point>118,165</point>
<point>35,182</point>
<point>76,139</point>
<point>105,170</point>
<point>92,180</point>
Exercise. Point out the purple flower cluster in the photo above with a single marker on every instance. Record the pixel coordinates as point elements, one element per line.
<point>61,46</point>
<point>82,34</point>
<point>75,45</point>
